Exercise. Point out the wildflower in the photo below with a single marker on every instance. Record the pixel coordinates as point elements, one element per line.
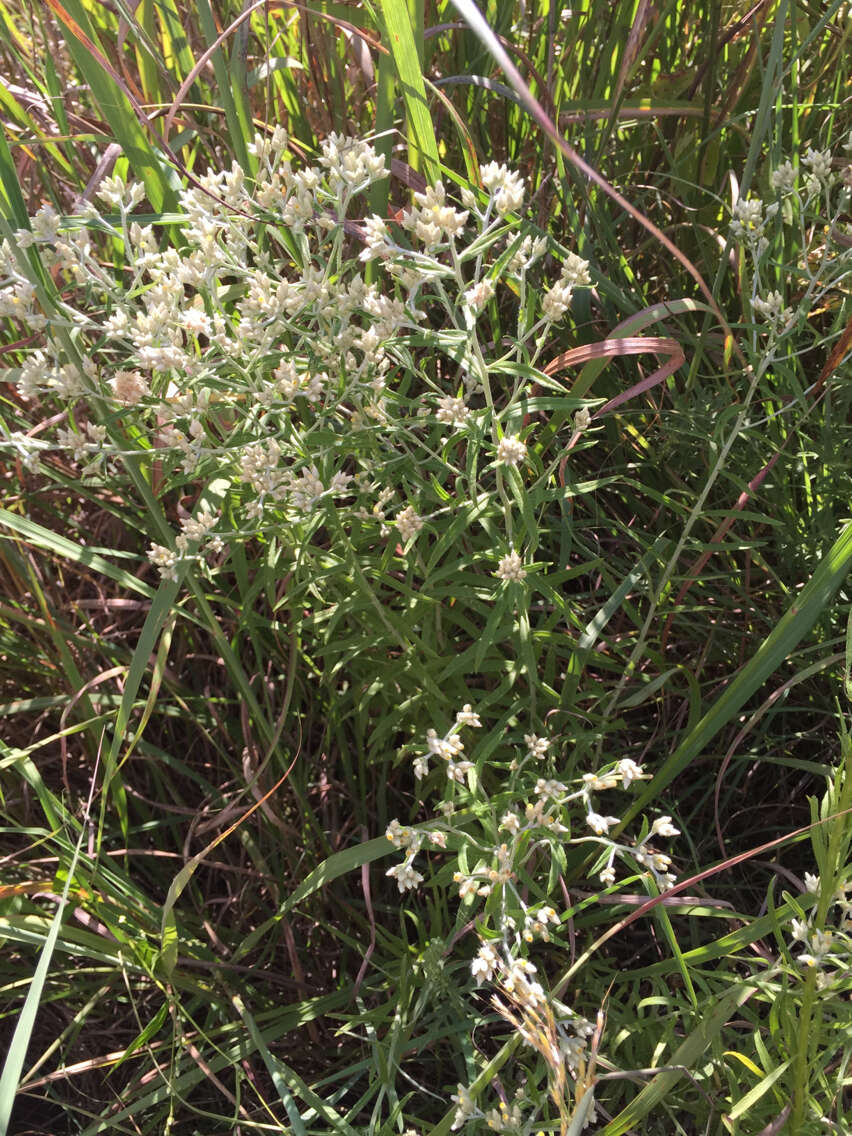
<point>592,782</point>
<point>582,420</point>
<point>447,747</point>
<point>377,238</point>
<point>196,528</point>
<point>408,523</point>
<point>527,253</point>
<point>772,310</point>
<point>485,964</point>
<point>511,822</point>
<point>536,747</point>
<point>545,787</point>
<point>129,387</point>
<point>503,872</point>
<point>748,218</point>
<point>439,839</point>
<point>340,483</point>
<point>421,767</point>
<point>465,1107</point>
<point>783,179</point>
<point>811,883</point>
<point>607,875</point>
<point>456,770</point>
<point>819,163</point>
<point>44,228</point>
<point>511,450</point>
<point>113,191</point>
<point>557,301</point>
<point>351,162</point>
<point>575,271</point>
<point>519,982</point>
<point>116,323</point>
<point>799,930</point>
<point>663,826</point>
<point>511,569</point>
<point>452,411</point>
<point>467,885</point>
<point>269,147</point>
<point>164,560</point>
<point>506,186</point>
<point>504,1119</point>
<point>629,771</point>
<point>306,489</point>
<point>467,716</point>
<point>536,924</point>
<point>432,218</point>
<point>405,875</point>
<point>477,296</point>
<point>398,835</point>
<point>600,824</point>
<point>820,944</point>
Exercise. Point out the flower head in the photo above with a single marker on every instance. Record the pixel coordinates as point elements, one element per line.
<point>511,569</point>
<point>506,186</point>
<point>408,523</point>
<point>405,875</point>
<point>511,450</point>
<point>600,824</point>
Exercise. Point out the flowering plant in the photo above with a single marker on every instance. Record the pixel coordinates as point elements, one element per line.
<point>251,360</point>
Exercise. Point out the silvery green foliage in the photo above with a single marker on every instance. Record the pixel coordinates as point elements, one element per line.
<point>240,350</point>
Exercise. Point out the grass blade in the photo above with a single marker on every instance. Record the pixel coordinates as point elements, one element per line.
<point>422,144</point>
<point>14,1063</point>
<point>779,644</point>
<point>114,104</point>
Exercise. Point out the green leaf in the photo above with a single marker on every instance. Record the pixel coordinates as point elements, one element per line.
<point>399,34</point>
<point>161,182</point>
<point>686,1056</point>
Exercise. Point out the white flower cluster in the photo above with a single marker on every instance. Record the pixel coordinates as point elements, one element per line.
<point>195,533</point>
<point>432,220</point>
<point>527,253</point>
<point>819,165</point>
<point>506,186</point>
<point>825,945</point>
<point>750,220</point>
<point>536,747</point>
<point>510,569</point>
<point>783,178</point>
<point>511,450</point>
<point>497,872</point>
<point>408,523</point>
<point>452,411</point>
<point>772,311</point>
<point>557,300</point>
<point>449,747</point>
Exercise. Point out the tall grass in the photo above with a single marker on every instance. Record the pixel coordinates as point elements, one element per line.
<point>198,765</point>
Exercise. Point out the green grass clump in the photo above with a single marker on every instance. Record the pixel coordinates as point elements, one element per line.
<point>424,638</point>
